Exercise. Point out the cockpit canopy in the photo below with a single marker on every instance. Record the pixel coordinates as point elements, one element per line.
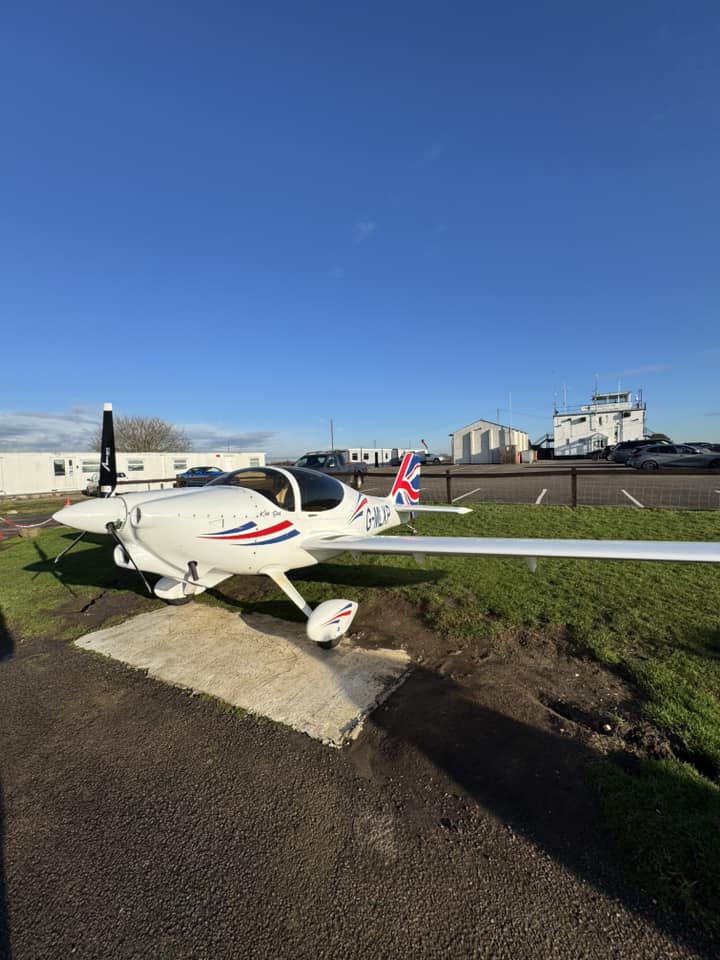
<point>317,490</point>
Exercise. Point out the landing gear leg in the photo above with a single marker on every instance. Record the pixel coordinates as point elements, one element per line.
<point>289,590</point>
<point>327,622</point>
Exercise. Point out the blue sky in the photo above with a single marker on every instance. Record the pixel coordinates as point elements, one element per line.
<point>252,219</point>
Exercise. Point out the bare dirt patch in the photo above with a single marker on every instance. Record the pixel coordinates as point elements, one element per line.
<point>111,602</point>
<point>533,677</point>
<point>506,725</point>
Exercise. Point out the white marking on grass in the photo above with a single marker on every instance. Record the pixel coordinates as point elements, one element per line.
<point>636,502</point>
<point>540,496</point>
<point>469,494</point>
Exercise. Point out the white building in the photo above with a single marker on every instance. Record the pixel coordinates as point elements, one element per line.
<point>486,442</point>
<point>22,473</point>
<point>608,419</point>
<point>379,456</point>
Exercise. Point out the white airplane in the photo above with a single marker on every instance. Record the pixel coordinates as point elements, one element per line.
<point>271,520</point>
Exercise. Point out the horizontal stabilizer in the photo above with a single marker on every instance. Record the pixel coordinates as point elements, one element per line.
<point>526,547</point>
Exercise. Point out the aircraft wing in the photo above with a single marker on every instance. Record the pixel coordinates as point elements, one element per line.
<point>430,508</point>
<point>322,547</point>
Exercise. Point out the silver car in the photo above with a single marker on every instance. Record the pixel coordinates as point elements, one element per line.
<point>673,455</point>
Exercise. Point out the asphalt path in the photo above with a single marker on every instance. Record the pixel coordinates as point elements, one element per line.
<point>139,822</point>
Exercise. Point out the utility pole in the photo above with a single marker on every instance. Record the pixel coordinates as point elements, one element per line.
<point>332,435</point>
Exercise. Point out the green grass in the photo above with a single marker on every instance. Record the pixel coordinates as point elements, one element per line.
<point>664,820</point>
<point>34,591</point>
<point>657,623</point>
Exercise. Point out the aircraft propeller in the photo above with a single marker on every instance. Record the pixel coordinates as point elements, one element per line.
<point>107,477</point>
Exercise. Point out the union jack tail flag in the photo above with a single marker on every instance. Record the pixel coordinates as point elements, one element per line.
<point>406,489</point>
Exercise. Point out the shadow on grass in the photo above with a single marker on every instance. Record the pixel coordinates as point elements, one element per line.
<point>6,651</point>
<point>700,642</point>
<point>549,788</point>
<point>6,641</point>
<point>665,822</point>
<point>258,593</point>
<point>368,575</point>
<point>87,567</point>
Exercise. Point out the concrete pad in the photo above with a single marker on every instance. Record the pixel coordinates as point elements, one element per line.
<point>264,665</point>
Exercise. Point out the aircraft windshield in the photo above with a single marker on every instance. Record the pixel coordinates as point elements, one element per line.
<point>317,490</point>
<point>270,483</point>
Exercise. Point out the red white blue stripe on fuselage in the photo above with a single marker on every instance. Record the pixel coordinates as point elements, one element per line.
<point>250,535</point>
<point>361,504</point>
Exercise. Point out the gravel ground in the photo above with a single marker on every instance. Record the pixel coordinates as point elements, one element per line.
<point>137,821</point>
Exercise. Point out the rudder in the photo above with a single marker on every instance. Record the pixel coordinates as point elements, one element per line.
<point>406,488</point>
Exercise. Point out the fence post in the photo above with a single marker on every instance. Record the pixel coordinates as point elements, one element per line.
<point>448,484</point>
<point>573,486</point>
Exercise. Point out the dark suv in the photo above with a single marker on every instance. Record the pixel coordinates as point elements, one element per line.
<point>623,449</point>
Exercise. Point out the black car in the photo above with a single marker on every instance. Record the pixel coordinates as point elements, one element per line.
<point>623,449</point>
<point>197,476</point>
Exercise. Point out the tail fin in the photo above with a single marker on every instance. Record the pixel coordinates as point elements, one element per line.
<point>108,467</point>
<point>406,489</point>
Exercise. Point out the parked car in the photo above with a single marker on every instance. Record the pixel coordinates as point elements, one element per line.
<point>197,476</point>
<point>673,455</point>
<point>434,458</point>
<point>336,463</point>
<point>93,485</point>
<point>704,445</point>
<point>624,449</point>
<point>603,454</point>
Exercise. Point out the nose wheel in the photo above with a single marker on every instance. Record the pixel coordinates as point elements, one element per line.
<point>327,622</point>
<point>328,644</point>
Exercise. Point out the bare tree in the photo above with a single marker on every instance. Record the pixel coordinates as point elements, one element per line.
<point>144,435</point>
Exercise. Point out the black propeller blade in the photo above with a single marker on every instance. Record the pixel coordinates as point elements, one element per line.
<point>108,467</point>
<point>107,478</point>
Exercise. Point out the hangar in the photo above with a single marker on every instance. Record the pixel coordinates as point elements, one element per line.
<point>486,442</point>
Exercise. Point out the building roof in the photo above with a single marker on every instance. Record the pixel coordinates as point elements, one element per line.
<point>489,423</point>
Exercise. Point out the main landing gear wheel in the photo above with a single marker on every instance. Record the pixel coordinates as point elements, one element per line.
<point>179,601</point>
